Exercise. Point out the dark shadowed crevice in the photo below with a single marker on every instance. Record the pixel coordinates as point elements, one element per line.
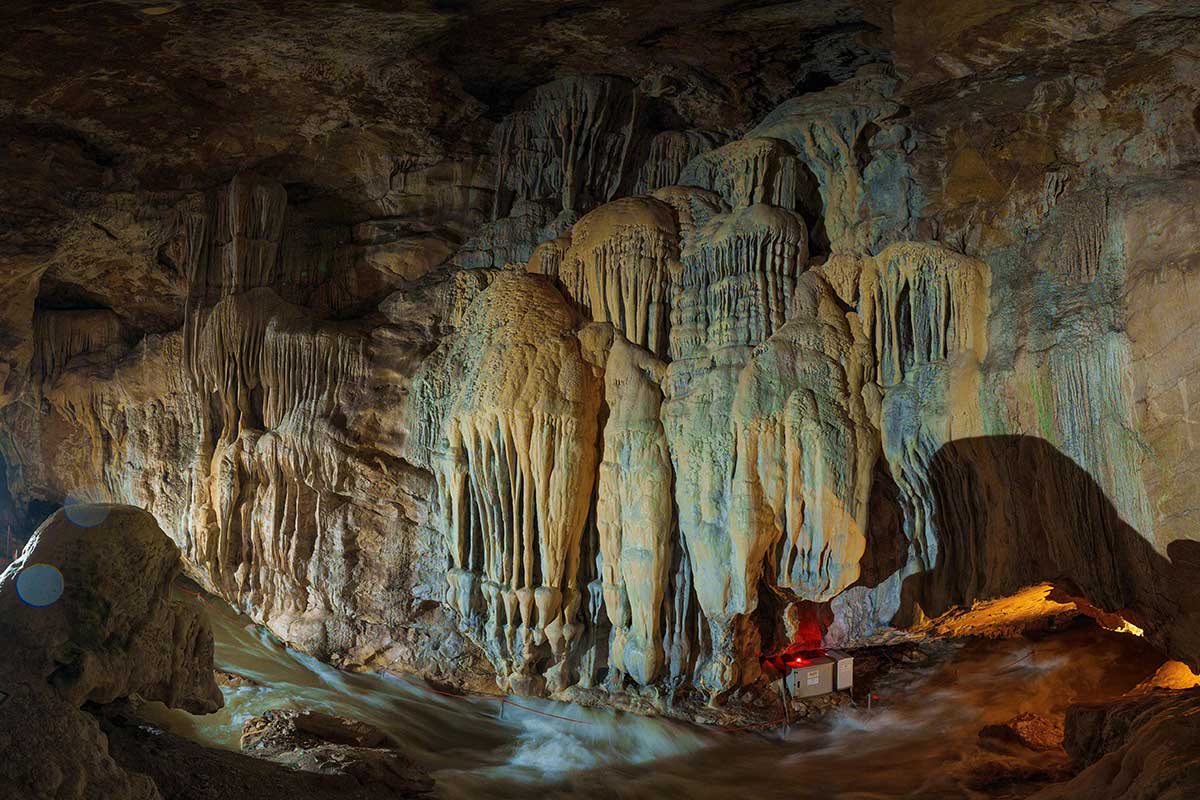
<point>887,548</point>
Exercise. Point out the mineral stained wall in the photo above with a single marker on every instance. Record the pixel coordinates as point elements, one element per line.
<point>609,382</point>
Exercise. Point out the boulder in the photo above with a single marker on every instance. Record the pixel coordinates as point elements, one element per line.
<point>324,744</point>
<point>1136,748</point>
<point>86,616</point>
<point>1028,730</point>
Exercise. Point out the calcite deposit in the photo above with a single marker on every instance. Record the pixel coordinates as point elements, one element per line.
<point>616,350</point>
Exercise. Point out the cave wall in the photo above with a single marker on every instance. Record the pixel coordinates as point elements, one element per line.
<point>609,387</point>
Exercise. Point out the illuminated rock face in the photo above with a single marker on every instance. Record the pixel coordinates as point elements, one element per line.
<point>507,421</point>
<point>605,386</point>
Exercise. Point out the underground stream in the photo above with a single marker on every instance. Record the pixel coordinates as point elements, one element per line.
<point>919,740</point>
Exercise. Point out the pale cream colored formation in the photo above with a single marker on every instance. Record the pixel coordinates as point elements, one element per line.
<point>746,172</point>
<point>805,450</point>
<point>624,446</point>
<point>508,425</point>
<point>624,434</point>
<point>618,266</point>
<point>634,517</point>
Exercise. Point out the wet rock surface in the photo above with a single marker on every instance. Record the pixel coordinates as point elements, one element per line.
<point>185,770</point>
<point>329,745</point>
<point>1139,747</point>
<point>1028,730</point>
<point>277,731</point>
<point>233,680</point>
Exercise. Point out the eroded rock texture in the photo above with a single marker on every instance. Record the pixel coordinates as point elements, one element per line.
<point>110,634</point>
<point>685,336</point>
<point>1138,747</point>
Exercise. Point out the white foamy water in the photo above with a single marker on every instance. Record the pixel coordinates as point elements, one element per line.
<point>920,741</point>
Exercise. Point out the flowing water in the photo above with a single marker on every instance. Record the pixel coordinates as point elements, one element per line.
<point>921,741</point>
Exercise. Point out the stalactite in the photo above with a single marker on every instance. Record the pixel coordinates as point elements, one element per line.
<point>618,267</point>
<point>61,335</point>
<point>853,140</point>
<point>228,241</point>
<point>735,284</point>
<point>1092,414</point>
<point>548,256</point>
<point>748,172</point>
<point>1074,241</point>
<point>922,304</point>
<point>693,209</point>
<point>569,140</point>
<point>669,153</point>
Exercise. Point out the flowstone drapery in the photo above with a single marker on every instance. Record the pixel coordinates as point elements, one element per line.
<point>622,405</point>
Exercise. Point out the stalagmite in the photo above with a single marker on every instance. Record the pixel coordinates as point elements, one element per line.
<point>618,265</point>
<point>805,452</point>
<point>507,421</point>
<point>924,310</point>
<point>733,290</point>
<point>633,513</point>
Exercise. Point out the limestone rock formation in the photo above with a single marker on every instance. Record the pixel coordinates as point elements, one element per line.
<point>507,411</point>
<point>684,336</point>
<point>618,268</point>
<point>1137,747</point>
<point>1028,730</point>
<point>111,632</point>
<point>318,743</point>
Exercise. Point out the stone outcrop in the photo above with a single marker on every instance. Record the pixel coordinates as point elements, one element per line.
<point>625,366</point>
<point>185,770</point>
<point>110,632</point>
<point>1028,730</point>
<point>360,755</point>
<point>1141,746</point>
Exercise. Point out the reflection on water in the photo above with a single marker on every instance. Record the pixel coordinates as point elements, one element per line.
<point>921,742</point>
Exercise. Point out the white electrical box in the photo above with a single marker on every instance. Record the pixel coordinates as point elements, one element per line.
<point>843,673</point>
<point>818,674</point>
<point>810,677</point>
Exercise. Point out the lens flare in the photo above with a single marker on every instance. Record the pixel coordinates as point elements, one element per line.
<point>40,585</point>
<point>83,513</point>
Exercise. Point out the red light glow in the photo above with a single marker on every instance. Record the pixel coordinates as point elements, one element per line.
<point>797,660</point>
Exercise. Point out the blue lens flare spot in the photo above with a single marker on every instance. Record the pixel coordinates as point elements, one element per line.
<point>84,514</point>
<point>39,585</point>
